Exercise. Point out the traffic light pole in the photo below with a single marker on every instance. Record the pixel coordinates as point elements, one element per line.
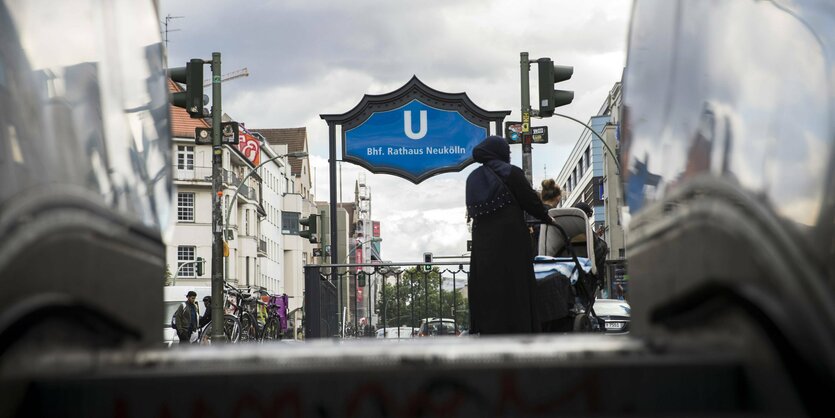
<point>217,211</point>
<point>525,66</point>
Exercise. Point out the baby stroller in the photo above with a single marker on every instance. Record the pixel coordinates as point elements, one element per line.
<point>566,273</point>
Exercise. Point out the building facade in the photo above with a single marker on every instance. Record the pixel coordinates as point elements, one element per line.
<point>261,210</point>
<point>591,175</point>
<point>297,202</point>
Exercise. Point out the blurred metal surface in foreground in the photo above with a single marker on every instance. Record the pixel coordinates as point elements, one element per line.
<point>468,376</point>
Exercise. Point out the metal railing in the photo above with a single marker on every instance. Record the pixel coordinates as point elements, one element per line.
<point>193,174</point>
<point>369,300</point>
<point>231,178</point>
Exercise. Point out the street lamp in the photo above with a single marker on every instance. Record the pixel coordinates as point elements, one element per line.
<point>199,261</point>
<point>295,154</point>
<point>605,144</point>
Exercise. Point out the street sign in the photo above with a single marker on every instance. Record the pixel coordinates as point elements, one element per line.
<point>414,132</point>
<point>513,132</point>
<point>414,139</point>
<point>526,122</point>
<point>539,134</point>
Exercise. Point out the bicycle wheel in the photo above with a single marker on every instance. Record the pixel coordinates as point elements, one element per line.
<point>205,336</point>
<point>248,332</point>
<point>270,330</point>
<point>232,328</point>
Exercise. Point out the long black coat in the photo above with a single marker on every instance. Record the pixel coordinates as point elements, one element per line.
<point>502,284</point>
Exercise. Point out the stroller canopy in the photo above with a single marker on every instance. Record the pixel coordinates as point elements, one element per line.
<point>576,225</point>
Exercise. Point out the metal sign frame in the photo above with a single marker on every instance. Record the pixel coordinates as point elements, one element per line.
<point>414,89</point>
<point>369,104</point>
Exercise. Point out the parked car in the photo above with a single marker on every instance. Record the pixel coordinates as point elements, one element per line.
<point>392,332</point>
<point>615,314</point>
<point>432,327</point>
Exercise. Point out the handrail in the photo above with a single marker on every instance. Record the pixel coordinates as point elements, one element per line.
<point>393,264</point>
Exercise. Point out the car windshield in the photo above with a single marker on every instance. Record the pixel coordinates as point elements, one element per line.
<point>612,308</point>
<point>439,328</point>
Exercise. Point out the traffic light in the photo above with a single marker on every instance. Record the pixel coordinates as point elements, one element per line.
<point>361,279</point>
<point>550,74</point>
<point>310,232</point>
<point>427,258</point>
<point>192,100</point>
<point>200,262</point>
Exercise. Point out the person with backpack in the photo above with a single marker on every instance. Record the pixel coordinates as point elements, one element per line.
<point>185,318</point>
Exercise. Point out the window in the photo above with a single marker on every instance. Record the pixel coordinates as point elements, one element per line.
<point>185,254</point>
<point>246,222</point>
<point>588,157</point>
<point>185,207</point>
<point>290,223</point>
<point>185,157</point>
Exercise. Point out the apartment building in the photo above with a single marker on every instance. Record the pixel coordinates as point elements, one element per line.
<point>591,174</point>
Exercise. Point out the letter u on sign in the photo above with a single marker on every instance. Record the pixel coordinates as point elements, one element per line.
<point>407,125</point>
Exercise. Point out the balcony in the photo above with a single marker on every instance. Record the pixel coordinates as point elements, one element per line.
<point>231,178</point>
<point>201,174</point>
<point>249,193</point>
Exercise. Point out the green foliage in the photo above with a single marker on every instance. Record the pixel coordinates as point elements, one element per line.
<point>417,297</point>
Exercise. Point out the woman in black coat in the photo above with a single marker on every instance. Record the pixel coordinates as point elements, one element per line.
<point>501,283</point>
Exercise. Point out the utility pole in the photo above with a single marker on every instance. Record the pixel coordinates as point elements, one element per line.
<point>217,212</point>
<point>525,66</point>
<point>549,99</point>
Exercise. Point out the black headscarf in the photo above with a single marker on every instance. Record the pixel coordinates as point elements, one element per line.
<point>486,193</point>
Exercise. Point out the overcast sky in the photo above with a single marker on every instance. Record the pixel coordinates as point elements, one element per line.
<point>311,57</point>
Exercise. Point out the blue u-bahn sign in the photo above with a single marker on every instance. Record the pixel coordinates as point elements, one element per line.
<point>414,132</point>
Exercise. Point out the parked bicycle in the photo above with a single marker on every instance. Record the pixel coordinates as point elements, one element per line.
<point>231,323</point>
<point>243,307</point>
<point>231,328</point>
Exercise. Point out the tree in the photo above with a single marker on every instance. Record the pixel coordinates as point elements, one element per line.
<point>418,297</point>
<point>168,277</point>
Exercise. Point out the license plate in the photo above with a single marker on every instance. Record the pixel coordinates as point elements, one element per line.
<point>614,325</point>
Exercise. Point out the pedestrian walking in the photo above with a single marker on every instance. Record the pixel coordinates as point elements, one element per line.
<point>501,284</point>
<point>207,316</point>
<point>185,319</point>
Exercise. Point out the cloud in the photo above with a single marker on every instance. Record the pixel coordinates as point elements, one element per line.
<point>309,57</point>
